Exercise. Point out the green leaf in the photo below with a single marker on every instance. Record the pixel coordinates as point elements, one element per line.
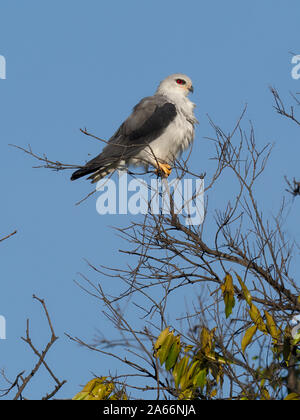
<point>179,370</point>
<point>173,354</point>
<point>187,377</point>
<point>199,380</point>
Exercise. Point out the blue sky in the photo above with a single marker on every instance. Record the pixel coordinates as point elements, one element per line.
<point>76,64</point>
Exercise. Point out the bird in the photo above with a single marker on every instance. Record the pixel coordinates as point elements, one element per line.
<point>158,130</point>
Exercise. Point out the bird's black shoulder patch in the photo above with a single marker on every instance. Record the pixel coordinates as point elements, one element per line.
<point>156,123</point>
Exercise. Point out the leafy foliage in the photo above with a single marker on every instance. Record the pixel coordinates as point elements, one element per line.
<point>99,389</point>
<point>192,369</point>
<point>196,370</point>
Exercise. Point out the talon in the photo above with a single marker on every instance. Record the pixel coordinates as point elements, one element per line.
<point>163,170</point>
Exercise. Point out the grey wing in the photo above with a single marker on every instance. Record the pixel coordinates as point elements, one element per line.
<point>149,119</point>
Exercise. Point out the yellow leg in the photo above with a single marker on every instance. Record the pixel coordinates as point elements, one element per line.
<point>163,170</point>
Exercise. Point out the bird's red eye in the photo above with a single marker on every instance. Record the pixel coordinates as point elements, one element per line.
<point>181,82</point>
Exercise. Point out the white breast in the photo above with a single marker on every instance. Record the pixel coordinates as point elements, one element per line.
<point>175,139</point>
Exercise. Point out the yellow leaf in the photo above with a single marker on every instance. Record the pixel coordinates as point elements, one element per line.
<point>228,294</point>
<point>217,358</point>
<point>96,389</point>
<point>265,394</point>
<point>93,383</point>
<point>118,396</point>
<point>188,348</point>
<point>207,340</point>
<point>272,328</point>
<point>257,319</point>
<point>162,337</point>
<point>246,292</point>
<point>186,395</point>
<point>248,337</point>
<point>292,397</point>
<point>164,350</point>
<point>213,393</point>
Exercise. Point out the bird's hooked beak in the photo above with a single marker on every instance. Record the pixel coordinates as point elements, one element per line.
<point>191,89</point>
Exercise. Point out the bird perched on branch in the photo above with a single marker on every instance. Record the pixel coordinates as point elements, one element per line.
<point>159,129</point>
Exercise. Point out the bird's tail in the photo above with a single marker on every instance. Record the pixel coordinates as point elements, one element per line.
<point>81,172</point>
<point>101,173</point>
<point>97,173</point>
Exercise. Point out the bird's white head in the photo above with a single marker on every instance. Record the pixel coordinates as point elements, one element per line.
<point>177,84</point>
